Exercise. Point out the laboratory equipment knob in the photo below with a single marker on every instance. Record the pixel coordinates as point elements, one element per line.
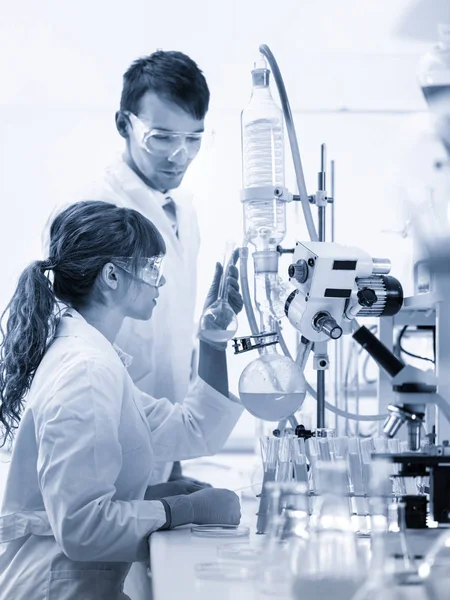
<point>299,271</point>
<point>324,323</point>
<point>288,302</point>
<point>367,297</point>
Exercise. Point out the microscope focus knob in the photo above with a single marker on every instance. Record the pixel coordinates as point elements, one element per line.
<point>299,271</point>
<point>367,297</point>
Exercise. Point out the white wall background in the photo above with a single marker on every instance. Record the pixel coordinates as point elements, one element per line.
<point>348,66</point>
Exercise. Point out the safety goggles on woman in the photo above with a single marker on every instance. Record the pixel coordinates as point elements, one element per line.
<point>160,142</point>
<point>149,270</point>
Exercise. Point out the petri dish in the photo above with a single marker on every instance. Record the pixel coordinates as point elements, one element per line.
<point>220,571</point>
<point>244,551</point>
<point>220,531</point>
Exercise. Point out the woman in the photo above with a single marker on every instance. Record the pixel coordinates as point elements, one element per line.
<point>74,515</point>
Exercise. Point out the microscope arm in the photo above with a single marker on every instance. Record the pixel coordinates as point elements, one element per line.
<point>403,376</point>
<point>443,405</point>
<point>378,351</point>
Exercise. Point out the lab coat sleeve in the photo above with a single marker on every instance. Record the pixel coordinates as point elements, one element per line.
<point>199,426</point>
<point>79,459</point>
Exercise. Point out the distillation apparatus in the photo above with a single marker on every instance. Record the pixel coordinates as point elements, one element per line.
<point>318,491</point>
<point>328,284</point>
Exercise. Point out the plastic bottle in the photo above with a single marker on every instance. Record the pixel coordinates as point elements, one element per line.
<point>263,162</point>
<point>434,68</point>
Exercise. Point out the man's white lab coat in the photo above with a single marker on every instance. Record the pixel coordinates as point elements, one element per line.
<point>161,347</point>
<point>73,515</point>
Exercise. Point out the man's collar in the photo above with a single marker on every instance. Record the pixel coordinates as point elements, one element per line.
<point>130,176</point>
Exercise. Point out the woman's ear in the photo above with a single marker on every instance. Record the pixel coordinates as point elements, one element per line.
<point>109,276</point>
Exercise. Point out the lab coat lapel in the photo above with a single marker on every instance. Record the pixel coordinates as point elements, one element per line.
<point>162,347</point>
<point>146,201</point>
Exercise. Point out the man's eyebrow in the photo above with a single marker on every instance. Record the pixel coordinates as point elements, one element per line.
<point>201,130</point>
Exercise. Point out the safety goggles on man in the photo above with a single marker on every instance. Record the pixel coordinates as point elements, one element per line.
<point>160,142</point>
<point>149,270</point>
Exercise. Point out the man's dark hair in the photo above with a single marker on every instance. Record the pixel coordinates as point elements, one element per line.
<point>172,75</point>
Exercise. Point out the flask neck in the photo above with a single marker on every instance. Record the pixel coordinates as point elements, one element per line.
<point>269,349</point>
<point>261,93</point>
<point>261,78</point>
<point>334,514</point>
<point>296,524</point>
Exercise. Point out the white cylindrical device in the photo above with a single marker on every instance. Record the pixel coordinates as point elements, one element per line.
<point>263,163</point>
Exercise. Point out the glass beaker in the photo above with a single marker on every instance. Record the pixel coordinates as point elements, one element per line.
<point>331,567</point>
<point>382,580</point>
<point>272,387</point>
<point>434,570</point>
<point>286,538</point>
<point>219,323</point>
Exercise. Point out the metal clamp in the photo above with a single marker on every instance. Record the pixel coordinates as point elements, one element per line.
<point>312,200</point>
<point>245,344</point>
<point>266,192</point>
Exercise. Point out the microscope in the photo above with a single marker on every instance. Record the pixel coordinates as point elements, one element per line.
<point>414,389</point>
<point>335,284</point>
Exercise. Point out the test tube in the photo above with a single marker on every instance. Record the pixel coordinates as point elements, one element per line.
<point>367,449</point>
<point>298,455</point>
<point>312,452</point>
<point>269,451</point>
<point>356,480</point>
<point>324,449</point>
<point>338,448</point>
<point>284,468</point>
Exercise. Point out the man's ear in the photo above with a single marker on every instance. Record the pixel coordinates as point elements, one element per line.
<point>122,124</point>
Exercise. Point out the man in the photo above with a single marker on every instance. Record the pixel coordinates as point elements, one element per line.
<point>163,106</point>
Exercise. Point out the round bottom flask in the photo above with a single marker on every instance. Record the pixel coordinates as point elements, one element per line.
<point>272,387</point>
<point>218,323</point>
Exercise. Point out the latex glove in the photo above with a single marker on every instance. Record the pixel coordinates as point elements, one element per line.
<point>234,297</point>
<point>208,506</point>
<point>177,475</point>
<point>172,488</point>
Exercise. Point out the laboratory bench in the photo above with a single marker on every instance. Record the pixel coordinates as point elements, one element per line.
<point>175,554</point>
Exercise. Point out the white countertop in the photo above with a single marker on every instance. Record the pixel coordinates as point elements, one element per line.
<point>174,554</point>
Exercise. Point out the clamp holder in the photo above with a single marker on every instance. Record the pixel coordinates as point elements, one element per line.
<point>245,344</point>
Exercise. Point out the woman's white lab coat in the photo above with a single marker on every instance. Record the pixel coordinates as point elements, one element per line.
<point>171,331</point>
<point>73,515</point>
